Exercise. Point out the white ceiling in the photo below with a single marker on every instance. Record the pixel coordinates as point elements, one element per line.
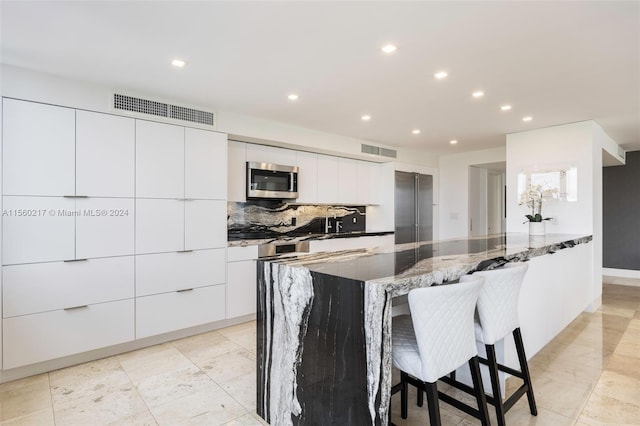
<point>559,62</point>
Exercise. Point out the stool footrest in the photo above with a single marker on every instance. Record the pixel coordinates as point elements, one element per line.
<point>504,368</point>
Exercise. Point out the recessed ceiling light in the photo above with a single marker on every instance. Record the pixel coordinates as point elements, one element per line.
<point>505,107</point>
<point>366,117</point>
<point>178,63</point>
<point>478,94</point>
<point>293,97</point>
<point>527,118</point>
<point>389,48</point>
<point>453,142</point>
<point>416,131</point>
<point>440,75</point>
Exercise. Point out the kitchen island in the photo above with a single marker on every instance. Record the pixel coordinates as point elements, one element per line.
<point>324,320</point>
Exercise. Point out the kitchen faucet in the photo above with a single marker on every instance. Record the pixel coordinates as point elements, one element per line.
<point>327,223</point>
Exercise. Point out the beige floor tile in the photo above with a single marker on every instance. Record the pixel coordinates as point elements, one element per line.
<point>242,334</point>
<point>226,367</point>
<point>204,347</point>
<point>25,396</point>
<point>629,366</point>
<point>519,415</point>
<point>109,408</point>
<point>39,418</point>
<point>601,409</point>
<point>242,389</point>
<point>172,385</point>
<point>559,396</point>
<point>211,406</point>
<point>152,361</point>
<point>619,386</point>
<point>91,380</point>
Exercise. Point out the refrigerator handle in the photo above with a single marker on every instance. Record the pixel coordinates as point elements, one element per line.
<point>416,203</point>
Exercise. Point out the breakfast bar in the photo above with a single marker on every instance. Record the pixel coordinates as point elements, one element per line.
<point>324,319</point>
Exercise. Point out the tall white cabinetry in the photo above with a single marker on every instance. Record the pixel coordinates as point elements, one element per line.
<point>68,241</point>
<point>181,234</point>
<point>89,200</point>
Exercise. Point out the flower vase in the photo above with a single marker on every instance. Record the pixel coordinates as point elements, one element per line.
<point>537,228</point>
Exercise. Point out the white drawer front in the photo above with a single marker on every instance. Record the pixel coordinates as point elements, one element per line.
<point>166,312</point>
<point>166,272</point>
<point>40,287</point>
<point>235,254</point>
<point>241,288</point>
<point>104,227</point>
<point>40,337</point>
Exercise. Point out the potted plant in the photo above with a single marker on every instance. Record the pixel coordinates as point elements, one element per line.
<point>532,198</point>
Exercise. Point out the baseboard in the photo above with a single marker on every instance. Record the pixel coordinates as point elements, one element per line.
<point>628,277</point>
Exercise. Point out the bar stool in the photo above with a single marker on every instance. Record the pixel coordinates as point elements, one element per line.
<point>497,316</point>
<point>436,339</point>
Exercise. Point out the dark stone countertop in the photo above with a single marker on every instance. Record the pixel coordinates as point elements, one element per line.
<point>305,237</point>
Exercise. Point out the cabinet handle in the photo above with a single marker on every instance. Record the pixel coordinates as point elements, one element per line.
<point>75,196</point>
<point>75,260</point>
<point>184,251</point>
<point>183,290</point>
<point>76,307</point>
<point>188,199</point>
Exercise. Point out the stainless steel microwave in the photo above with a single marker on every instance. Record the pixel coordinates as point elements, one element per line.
<point>266,180</point>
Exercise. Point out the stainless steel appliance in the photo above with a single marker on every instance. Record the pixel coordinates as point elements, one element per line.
<point>266,180</point>
<point>413,207</point>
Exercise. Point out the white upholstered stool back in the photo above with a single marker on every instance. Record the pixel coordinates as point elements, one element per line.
<point>498,301</point>
<point>442,319</point>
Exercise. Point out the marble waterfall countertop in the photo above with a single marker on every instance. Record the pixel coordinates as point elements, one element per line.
<point>324,321</point>
<point>421,264</point>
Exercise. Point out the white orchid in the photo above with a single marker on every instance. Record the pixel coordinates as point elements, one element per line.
<point>532,198</point>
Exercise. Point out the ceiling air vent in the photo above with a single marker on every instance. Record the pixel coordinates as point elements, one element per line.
<point>161,109</point>
<point>376,150</point>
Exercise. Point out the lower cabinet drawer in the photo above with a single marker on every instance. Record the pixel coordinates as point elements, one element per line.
<point>166,312</point>
<point>40,337</point>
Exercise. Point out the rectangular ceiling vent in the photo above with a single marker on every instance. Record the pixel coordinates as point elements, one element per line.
<point>161,109</point>
<point>376,150</point>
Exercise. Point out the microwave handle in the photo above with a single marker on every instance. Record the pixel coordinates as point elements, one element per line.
<point>292,176</point>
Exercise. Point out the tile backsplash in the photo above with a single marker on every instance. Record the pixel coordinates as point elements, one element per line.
<point>266,219</point>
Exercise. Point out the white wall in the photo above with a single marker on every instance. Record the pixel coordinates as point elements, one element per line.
<point>582,144</point>
<point>454,189</point>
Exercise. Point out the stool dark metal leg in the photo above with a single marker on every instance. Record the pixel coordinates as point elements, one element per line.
<point>403,394</point>
<point>495,383</point>
<point>524,367</point>
<point>420,398</point>
<point>432,402</point>
<point>474,365</point>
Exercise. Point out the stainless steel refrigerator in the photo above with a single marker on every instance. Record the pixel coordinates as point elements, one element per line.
<point>413,207</point>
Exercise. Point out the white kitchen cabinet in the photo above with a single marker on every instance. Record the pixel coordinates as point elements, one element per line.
<point>327,179</point>
<point>241,281</point>
<point>307,177</point>
<point>104,227</point>
<point>29,339</point>
<point>168,272</point>
<point>159,225</point>
<point>316,246</point>
<point>162,313</point>
<point>347,181</point>
<point>159,160</point>
<point>205,174</point>
<point>105,155</point>
<point>49,286</point>
<point>205,224</point>
<point>237,171</point>
<point>38,229</point>
<point>270,154</point>
<point>38,149</point>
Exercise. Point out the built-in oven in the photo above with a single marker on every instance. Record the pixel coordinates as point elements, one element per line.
<point>266,180</point>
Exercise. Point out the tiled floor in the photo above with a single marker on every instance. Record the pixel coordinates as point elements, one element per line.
<point>589,375</point>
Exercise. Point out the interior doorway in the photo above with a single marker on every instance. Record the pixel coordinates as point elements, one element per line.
<point>487,198</point>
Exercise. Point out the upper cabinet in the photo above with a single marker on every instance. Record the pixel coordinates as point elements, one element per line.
<point>56,151</point>
<point>237,173</point>
<point>205,158</point>
<point>327,179</point>
<point>159,160</point>
<point>307,162</point>
<point>178,162</point>
<point>105,153</point>
<point>347,181</point>
<point>270,154</point>
<point>38,144</point>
